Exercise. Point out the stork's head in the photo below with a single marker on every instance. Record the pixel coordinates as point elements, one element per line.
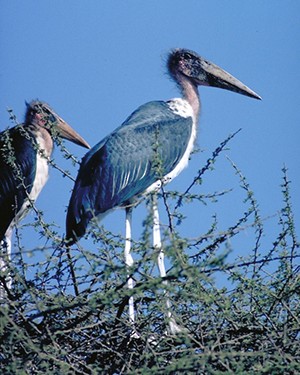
<point>41,114</point>
<point>184,64</point>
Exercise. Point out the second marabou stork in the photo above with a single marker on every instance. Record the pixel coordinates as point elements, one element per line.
<point>123,167</point>
<point>24,154</point>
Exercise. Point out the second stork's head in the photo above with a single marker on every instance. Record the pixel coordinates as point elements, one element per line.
<point>186,66</point>
<point>41,115</point>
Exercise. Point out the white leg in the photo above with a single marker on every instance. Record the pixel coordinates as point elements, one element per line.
<point>5,247</point>
<point>129,259</point>
<point>157,238</point>
<point>174,328</point>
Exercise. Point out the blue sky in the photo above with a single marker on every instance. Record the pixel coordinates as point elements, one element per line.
<point>96,61</point>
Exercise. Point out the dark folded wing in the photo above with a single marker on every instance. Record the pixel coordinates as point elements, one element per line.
<point>17,173</point>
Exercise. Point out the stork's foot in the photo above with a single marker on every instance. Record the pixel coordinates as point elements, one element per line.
<point>174,328</point>
<point>134,334</point>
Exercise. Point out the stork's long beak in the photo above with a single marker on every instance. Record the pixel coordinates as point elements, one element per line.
<point>66,132</point>
<point>218,77</point>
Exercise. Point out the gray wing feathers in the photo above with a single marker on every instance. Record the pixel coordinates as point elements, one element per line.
<point>149,143</point>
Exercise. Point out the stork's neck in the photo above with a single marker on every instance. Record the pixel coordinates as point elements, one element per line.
<point>43,138</point>
<point>190,94</point>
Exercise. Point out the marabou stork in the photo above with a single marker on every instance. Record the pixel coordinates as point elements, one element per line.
<point>122,168</point>
<point>24,153</point>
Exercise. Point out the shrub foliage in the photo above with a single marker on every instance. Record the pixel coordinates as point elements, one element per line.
<point>68,313</point>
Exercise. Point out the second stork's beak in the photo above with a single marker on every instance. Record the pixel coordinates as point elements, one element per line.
<point>41,114</point>
<point>66,132</point>
<point>217,77</point>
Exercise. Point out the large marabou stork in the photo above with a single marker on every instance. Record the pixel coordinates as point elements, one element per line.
<point>122,168</point>
<point>24,154</point>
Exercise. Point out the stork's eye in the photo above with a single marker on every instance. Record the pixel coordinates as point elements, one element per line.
<point>46,113</point>
<point>38,109</point>
<point>188,57</point>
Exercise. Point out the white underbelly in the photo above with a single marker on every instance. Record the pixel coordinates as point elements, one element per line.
<point>41,177</point>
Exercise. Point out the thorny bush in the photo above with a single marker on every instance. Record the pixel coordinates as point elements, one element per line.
<point>67,313</point>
